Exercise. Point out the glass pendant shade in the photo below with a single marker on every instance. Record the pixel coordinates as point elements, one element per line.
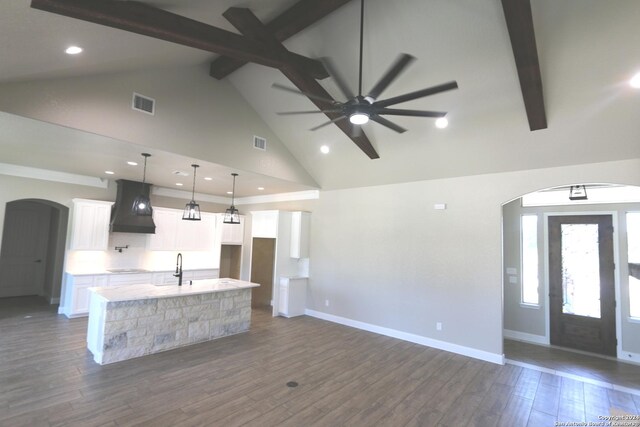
<point>142,204</point>
<point>578,192</point>
<point>192,209</point>
<point>231,215</point>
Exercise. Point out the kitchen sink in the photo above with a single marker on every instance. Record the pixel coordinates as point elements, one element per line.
<point>127,270</point>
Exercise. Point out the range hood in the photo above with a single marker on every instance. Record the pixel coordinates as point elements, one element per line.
<point>123,220</point>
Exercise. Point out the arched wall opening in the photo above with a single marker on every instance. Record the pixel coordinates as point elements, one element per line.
<point>33,248</point>
<point>529,320</point>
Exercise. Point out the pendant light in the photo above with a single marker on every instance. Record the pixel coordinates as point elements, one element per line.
<point>578,192</point>
<point>231,215</point>
<point>192,209</point>
<point>142,204</point>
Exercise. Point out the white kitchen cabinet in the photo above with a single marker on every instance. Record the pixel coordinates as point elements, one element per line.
<point>90,225</point>
<point>264,224</point>
<point>292,296</point>
<point>75,290</point>
<point>230,234</point>
<point>299,247</point>
<point>175,234</point>
<point>75,293</point>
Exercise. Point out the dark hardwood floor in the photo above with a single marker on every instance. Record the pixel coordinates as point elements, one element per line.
<point>346,377</point>
<point>591,368</point>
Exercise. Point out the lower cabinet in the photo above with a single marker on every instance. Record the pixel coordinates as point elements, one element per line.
<point>74,300</point>
<point>293,296</point>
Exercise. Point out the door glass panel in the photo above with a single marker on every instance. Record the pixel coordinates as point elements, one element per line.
<point>633,241</point>
<point>580,270</point>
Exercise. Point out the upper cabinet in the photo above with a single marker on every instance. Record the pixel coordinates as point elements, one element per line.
<point>90,225</point>
<point>230,234</point>
<point>264,224</point>
<point>299,247</point>
<point>175,234</point>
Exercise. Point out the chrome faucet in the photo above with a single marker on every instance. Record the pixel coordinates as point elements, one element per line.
<point>179,269</point>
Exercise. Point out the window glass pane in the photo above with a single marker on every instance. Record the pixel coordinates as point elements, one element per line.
<point>530,259</point>
<point>580,270</point>
<point>633,242</point>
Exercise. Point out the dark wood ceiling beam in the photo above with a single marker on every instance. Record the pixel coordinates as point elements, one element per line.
<point>248,24</point>
<point>519,20</point>
<point>293,20</point>
<point>143,19</point>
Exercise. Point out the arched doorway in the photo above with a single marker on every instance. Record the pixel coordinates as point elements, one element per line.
<point>540,292</point>
<point>33,247</point>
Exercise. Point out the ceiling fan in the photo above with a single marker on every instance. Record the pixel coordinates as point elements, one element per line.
<point>360,109</point>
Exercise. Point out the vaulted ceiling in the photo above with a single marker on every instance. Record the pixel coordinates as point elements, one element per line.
<point>587,51</point>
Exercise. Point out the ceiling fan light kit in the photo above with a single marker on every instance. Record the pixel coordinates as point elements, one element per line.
<point>360,109</point>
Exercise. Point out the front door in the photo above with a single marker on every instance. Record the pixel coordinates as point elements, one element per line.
<point>24,249</point>
<point>581,283</point>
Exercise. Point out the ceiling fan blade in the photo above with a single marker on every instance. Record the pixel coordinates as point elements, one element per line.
<point>410,113</point>
<point>289,113</point>
<point>393,72</point>
<point>342,85</point>
<point>387,123</point>
<point>308,95</point>
<point>329,122</point>
<point>417,94</point>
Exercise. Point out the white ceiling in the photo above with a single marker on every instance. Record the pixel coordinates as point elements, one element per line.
<point>588,49</point>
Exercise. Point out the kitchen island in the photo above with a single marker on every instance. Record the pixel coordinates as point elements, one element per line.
<point>136,320</point>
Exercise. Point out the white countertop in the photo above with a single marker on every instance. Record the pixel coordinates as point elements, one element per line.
<point>131,271</point>
<point>140,292</point>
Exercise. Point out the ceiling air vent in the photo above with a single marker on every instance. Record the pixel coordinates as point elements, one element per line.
<point>143,104</point>
<point>259,143</point>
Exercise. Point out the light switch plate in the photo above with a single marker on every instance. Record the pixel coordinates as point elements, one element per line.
<point>513,279</point>
<point>512,271</point>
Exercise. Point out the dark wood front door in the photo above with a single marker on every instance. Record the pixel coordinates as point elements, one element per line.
<point>581,283</point>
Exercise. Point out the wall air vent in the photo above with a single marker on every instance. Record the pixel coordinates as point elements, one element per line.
<point>259,143</point>
<point>143,104</point>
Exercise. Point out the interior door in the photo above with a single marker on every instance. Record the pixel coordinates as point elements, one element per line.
<point>581,283</point>
<point>24,249</point>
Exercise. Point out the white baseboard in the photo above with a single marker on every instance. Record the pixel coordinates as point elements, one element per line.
<point>627,356</point>
<point>417,339</point>
<point>526,337</point>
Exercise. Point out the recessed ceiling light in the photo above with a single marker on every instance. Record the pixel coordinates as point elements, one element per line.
<point>73,50</point>
<point>109,172</point>
<point>208,178</point>
<point>132,163</point>
<point>179,184</point>
<point>442,123</point>
<point>325,149</point>
<point>260,188</point>
<point>635,81</point>
<point>229,192</point>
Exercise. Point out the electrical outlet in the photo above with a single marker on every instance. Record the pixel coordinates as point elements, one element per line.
<point>438,326</point>
<point>326,303</point>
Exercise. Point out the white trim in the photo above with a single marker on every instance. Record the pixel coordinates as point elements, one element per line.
<point>587,380</point>
<point>525,337</point>
<point>182,194</point>
<point>629,357</point>
<point>417,339</point>
<point>49,175</point>
<point>267,198</point>
<point>280,197</point>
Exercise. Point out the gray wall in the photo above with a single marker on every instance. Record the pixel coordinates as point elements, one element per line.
<point>533,320</point>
